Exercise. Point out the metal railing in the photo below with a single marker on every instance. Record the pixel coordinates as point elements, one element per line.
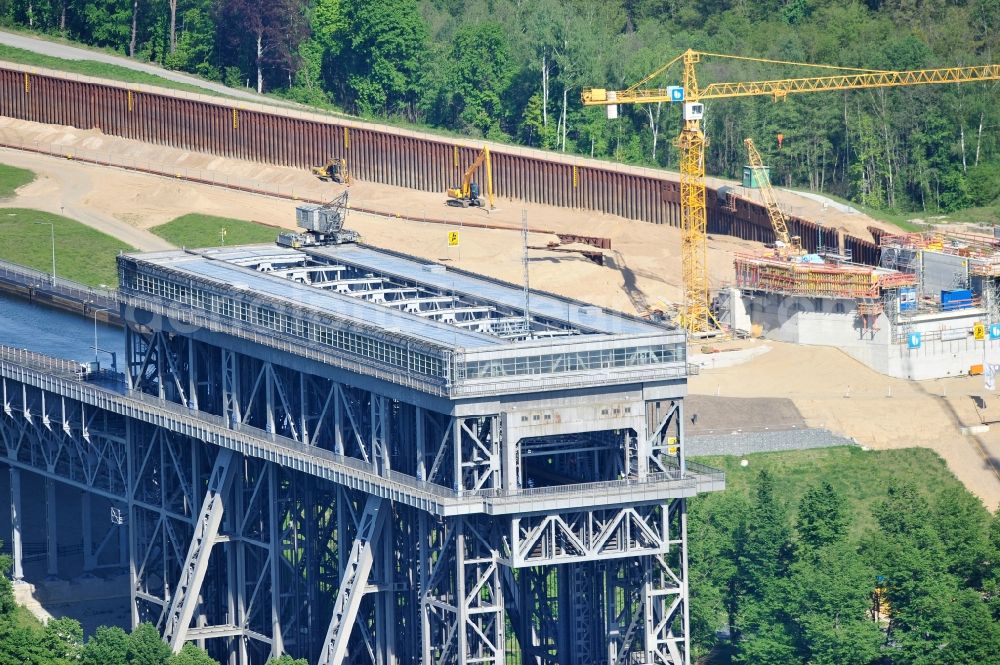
<point>14,273</point>
<point>674,478</point>
<point>539,382</point>
<point>55,366</point>
<point>282,342</point>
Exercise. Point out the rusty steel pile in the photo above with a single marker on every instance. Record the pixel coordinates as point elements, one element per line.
<point>377,153</point>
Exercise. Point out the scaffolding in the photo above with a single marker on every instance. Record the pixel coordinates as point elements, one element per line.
<point>982,251</point>
<point>816,280</point>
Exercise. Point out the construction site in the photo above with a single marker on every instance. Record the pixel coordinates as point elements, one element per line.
<point>928,311</point>
<point>453,395</point>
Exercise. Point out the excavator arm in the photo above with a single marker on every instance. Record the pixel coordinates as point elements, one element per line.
<point>465,192</point>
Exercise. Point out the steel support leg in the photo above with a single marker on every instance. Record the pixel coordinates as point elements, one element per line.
<point>186,595</point>
<point>51,529</point>
<point>386,615</point>
<point>88,536</point>
<point>354,581</point>
<point>132,531</point>
<point>274,560</point>
<point>17,551</point>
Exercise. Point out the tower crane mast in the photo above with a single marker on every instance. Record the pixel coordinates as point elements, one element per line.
<point>696,316</point>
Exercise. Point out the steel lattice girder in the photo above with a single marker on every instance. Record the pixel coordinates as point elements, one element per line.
<point>284,548</point>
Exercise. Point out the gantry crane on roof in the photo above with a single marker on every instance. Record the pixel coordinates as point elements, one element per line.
<point>696,316</point>
<point>782,240</point>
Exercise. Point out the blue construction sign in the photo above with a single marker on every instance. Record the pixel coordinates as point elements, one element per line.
<point>913,340</point>
<point>676,93</point>
<point>995,331</point>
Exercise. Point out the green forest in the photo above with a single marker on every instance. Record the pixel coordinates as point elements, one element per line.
<point>513,70</point>
<point>790,558</point>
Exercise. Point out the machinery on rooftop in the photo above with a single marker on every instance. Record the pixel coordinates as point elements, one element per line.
<point>323,224</point>
<point>468,193</point>
<point>696,316</point>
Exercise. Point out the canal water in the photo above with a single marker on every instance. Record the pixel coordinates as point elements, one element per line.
<point>57,333</point>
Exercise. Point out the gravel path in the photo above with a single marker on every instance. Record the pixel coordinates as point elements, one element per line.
<point>63,187</point>
<point>68,52</point>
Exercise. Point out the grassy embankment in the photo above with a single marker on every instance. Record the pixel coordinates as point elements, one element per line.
<point>989,214</point>
<point>860,477</point>
<point>197,230</point>
<point>11,178</point>
<point>93,68</point>
<point>82,254</point>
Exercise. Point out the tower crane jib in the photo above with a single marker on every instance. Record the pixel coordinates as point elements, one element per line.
<point>696,316</point>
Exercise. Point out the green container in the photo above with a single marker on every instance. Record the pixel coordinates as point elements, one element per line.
<point>753,178</point>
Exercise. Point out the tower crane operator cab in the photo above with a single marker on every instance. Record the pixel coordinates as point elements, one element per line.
<point>694,111</point>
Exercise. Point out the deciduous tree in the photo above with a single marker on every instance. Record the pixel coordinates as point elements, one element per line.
<point>388,45</point>
<point>107,646</point>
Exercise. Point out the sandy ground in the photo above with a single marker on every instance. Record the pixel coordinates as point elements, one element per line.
<point>643,268</point>
<point>832,390</point>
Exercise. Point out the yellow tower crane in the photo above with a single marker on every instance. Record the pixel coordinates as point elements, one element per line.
<point>779,223</point>
<point>696,316</point>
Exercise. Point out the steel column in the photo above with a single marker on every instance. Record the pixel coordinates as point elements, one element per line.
<point>16,548</point>
<point>185,597</point>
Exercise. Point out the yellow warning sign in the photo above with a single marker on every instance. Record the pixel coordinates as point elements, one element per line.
<point>453,238</point>
<point>979,331</point>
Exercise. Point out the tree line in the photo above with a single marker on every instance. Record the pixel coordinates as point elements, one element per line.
<point>513,70</point>
<point>24,641</point>
<point>793,585</point>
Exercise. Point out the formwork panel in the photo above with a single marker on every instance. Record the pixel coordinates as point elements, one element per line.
<point>942,272</point>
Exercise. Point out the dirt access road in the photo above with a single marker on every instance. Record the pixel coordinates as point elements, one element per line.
<point>68,52</point>
<point>64,188</point>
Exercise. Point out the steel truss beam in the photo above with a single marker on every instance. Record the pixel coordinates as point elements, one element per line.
<point>254,560</point>
<point>353,582</point>
<point>206,532</point>
<point>419,299</point>
<point>591,535</point>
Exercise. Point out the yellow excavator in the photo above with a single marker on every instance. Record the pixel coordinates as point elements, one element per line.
<point>784,244</point>
<point>333,170</point>
<point>468,194</point>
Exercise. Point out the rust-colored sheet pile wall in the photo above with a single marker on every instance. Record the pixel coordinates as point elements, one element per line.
<point>375,153</point>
